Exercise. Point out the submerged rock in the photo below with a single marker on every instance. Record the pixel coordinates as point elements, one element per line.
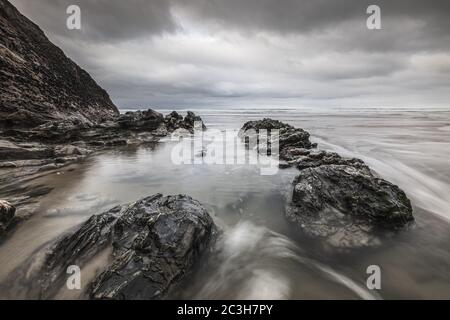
<point>7,212</point>
<point>155,242</point>
<point>345,205</point>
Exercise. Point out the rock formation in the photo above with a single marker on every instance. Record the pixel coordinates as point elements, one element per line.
<point>334,198</point>
<point>155,242</point>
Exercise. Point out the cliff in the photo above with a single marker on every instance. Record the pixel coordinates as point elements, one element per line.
<point>39,82</point>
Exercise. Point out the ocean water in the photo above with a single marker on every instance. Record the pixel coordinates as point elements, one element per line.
<point>260,255</point>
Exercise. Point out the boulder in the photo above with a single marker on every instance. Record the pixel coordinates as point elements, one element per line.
<point>155,242</point>
<point>346,205</point>
<point>289,136</point>
<point>7,212</point>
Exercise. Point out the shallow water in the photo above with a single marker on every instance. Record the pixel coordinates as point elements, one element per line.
<point>260,255</point>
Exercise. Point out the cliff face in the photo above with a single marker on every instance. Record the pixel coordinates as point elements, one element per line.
<point>39,83</point>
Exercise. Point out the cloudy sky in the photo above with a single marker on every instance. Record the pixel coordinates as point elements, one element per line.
<point>251,53</point>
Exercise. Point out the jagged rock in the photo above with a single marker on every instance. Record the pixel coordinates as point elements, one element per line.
<point>7,212</point>
<point>191,119</point>
<point>155,242</point>
<point>346,205</point>
<point>175,121</point>
<point>39,83</point>
<point>141,120</point>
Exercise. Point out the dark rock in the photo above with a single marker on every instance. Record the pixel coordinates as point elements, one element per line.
<point>175,121</point>
<point>345,205</point>
<point>7,212</point>
<point>289,137</point>
<point>39,82</point>
<point>141,120</point>
<point>191,119</point>
<point>335,198</point>
<point>304,158</point>
<point>155,241</point>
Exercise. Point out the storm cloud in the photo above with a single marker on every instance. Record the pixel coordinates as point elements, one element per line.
<point>269,53</point>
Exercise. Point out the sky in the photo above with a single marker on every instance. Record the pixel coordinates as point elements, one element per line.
<point>180,54</point>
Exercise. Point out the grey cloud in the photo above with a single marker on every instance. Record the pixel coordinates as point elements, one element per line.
<point>102,20</point>
<point>431,30</point>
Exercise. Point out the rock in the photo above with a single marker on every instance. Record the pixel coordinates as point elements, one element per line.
<point>39,82</point>
<point>346,205</point>
<point>13,151</point>
<point>303,158</point>
<point>7,212</point>
<point>141,120</point>
<point>155,242</point>
<point>289,137</point>
<point>191,119</point>
<point>70,150</point>
<point>334,198</point>
<point>175,121</point>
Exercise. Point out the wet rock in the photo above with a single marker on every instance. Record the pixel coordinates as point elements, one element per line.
<point>141,120</point>
<point>190,120</point>
<point>346,205</point>
<point>13,151</point>
<point>334,198</point>
<point>289,136</point>
<point>303,158</point>
<point>155,242</point>
<point>174,121</point>
<point>7,212</point>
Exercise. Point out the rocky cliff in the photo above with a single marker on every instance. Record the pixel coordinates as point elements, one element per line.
<point>39,82</point>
